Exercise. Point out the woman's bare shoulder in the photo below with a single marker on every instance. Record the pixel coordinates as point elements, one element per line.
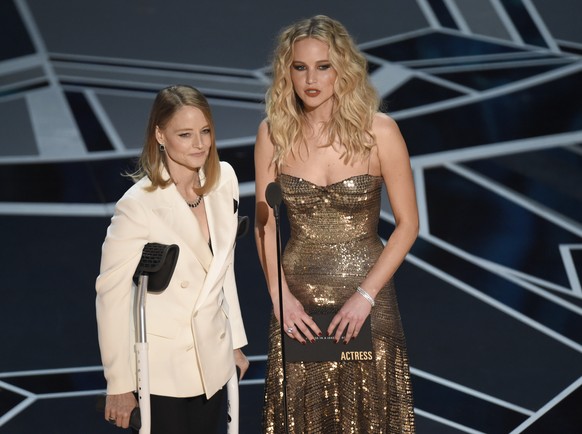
<point>383,123</point>
<point>264,126</point>
<point>387,134</point>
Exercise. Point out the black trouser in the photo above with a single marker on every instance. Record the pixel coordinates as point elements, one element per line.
<point>196,415</point>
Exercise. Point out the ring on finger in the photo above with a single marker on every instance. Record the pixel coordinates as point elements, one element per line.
<point>290,330</point>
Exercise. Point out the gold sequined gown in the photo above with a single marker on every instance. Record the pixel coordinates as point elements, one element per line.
<point>333,244</point>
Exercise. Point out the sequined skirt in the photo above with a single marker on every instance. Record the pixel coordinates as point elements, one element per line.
<point>340,397</point>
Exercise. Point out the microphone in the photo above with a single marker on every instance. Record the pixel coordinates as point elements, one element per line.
<point>274,196</point>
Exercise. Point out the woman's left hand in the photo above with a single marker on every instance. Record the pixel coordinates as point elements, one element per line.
<point>348,321</point>
<point>241,362</point>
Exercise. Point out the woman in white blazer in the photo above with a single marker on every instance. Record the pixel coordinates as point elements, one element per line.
<point>183,195</point>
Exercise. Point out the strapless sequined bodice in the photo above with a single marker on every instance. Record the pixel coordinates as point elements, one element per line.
<point>336,213</point>
<point>333,228</point>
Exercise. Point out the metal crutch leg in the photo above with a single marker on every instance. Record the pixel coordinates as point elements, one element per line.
<point>232,404</point>
<point>232,392</point>
<point>153,274</point>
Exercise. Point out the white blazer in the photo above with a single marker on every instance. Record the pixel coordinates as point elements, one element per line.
<point>194,325</point>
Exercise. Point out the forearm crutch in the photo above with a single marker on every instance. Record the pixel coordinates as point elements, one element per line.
<point>232,404</point>
<point>153,274</point>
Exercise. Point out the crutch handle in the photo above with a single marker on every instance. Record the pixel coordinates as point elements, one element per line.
<point>243,226</point>
<point>134,417</point>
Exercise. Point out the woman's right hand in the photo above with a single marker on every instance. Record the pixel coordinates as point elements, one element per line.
<point>296,322</point>
<point>118,408</point>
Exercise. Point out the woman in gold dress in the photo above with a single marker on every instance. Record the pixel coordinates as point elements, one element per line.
<point>330,149</point>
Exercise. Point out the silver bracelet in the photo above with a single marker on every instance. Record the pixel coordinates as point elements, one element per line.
<point>367,296</point>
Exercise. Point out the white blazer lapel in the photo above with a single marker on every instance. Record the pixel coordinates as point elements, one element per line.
<point>220,213</point>
<point>222,226</point>
<point>181,220</point>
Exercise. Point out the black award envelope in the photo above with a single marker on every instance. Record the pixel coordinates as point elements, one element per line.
<point>326,350</point>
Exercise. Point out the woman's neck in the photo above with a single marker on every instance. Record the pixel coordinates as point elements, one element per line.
<point>319,115</point>
<point>185,179</point>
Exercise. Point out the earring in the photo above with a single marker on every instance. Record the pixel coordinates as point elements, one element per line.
<point>162,147</point>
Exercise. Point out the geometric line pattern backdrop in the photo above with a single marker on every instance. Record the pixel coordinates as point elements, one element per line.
<point>487,95</point>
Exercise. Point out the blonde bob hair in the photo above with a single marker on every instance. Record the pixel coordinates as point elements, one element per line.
<point>152,160</point>
<point>355,100</point>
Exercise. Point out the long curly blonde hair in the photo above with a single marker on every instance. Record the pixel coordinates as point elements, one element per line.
<point>355,99</point>
<point>168,101</point>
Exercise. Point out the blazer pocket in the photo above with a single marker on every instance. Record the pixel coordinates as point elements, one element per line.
<point>163,327</point>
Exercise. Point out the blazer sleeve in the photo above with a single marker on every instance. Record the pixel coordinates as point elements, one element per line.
<point>239,338</point>
<point>121,252</point>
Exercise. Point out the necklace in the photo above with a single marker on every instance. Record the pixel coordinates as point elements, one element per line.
<point>195,203</point>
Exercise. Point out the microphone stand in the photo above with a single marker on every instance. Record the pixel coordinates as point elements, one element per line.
<point>273,196</point>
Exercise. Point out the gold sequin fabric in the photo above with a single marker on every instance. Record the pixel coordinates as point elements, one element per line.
<point>333,244</point>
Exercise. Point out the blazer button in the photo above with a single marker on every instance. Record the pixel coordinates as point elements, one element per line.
<point>184,284</point>
<point>222,335</point>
